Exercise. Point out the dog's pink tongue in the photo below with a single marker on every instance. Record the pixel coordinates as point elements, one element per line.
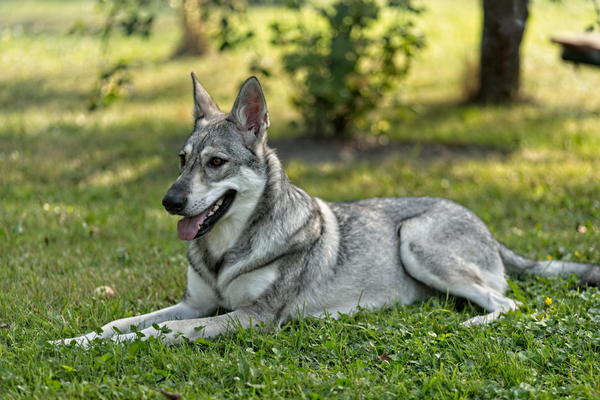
<point>187,227</point>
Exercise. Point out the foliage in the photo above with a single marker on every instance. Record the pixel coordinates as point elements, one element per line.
<point>232,29</point>
<point>344,70</point>
<point>128,17</point>
<point>596,24</point>
<point>131,17</point>
<point>224,22</point>
<point>113,84</point>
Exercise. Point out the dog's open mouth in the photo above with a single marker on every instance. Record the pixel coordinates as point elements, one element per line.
<point>190,228</point>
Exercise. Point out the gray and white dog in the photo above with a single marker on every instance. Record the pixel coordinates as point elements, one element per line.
<point>269,252</point>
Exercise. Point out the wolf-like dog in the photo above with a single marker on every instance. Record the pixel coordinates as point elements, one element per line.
<point>267,251</point>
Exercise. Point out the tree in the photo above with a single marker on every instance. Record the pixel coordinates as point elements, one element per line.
<point>193,41</point>
<point>203,21</point>
<point>504,23</point>
<point>220,21</point>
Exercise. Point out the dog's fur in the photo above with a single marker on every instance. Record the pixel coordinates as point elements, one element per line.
<point>270,252</point>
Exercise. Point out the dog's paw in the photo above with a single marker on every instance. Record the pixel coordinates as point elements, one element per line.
<point>81,341</point>
<point>124,338</point>
<point>85,341</point>
<point>66,342</point>
<point>475,321</point>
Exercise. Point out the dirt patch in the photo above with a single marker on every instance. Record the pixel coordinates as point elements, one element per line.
<point>373,149</point>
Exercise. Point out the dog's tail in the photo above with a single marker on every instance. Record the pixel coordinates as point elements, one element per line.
<point>589,274</point>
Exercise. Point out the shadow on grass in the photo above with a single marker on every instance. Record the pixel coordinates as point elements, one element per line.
<point>505,128</point>
<point>452,131</point>
<point>19,96</point>
<point>435,132</point>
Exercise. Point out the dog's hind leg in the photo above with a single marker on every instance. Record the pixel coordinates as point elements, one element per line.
<point>455,254</point>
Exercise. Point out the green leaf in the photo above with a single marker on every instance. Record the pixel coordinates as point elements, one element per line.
<point>67,368</point>
<point>135,348</point>
<point>243,368</point>
<point>518,293</point>
<point>159,371</point>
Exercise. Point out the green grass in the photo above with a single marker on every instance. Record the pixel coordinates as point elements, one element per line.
<point>80,207</point>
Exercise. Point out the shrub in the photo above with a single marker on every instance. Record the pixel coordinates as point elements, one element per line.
<point>344,69</point>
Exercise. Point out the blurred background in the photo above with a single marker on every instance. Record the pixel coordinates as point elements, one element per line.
<point>366,98</point>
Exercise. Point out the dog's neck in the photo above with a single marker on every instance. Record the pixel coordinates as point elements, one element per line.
<point>267,197</point>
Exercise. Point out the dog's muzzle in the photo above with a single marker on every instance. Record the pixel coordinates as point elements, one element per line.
<point>174,203</point>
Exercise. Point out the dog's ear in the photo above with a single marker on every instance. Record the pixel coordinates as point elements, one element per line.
<point>204,105</point>
<point>249,111</point>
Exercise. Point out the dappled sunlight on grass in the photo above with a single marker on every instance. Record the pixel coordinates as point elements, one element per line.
<point>559,95</point>
<point>509,128</point>
<point>451,32</point>
<point>65,71</point>
<point>122,173</point>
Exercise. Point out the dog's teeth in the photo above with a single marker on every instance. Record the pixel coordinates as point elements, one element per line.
<point>212,210</point>
<point>220,201</point>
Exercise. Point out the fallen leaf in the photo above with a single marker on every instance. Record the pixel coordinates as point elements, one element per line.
<point>384,358</point>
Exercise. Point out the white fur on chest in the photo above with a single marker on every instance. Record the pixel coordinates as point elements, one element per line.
<point>243,289</point>
<point>199,294</point>
<point>249,286</point>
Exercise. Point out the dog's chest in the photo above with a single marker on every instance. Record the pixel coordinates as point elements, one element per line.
<point>247,287</point>
<point>232,284</point>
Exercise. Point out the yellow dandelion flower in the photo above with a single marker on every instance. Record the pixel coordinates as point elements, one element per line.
<point>548,301</point>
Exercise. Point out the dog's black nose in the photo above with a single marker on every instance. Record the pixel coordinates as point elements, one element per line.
<point>174,203</point>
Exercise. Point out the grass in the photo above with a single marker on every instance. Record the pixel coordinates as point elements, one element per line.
<point>80,207</point>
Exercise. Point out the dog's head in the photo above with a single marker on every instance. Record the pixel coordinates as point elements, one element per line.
<point>222,160</point>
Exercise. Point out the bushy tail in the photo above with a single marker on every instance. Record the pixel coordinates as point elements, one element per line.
<point>589,274</point>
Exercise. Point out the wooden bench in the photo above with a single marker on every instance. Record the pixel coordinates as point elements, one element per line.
<point>580,48</point>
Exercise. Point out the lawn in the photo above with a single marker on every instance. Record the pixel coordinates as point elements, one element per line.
<point>80,197</point>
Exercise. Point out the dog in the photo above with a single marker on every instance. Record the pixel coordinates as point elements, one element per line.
<point>267,251</point>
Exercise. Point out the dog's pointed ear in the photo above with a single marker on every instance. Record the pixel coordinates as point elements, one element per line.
<point>204,105</point>
<point>249,111</point>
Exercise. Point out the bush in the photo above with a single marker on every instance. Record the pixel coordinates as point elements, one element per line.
<point>344,70</point>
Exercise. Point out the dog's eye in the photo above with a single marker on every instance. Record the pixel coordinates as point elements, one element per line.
<point>216,162</point>
<point>182,159</point>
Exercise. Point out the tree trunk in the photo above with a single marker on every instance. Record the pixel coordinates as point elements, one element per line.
<point>503,27</point>
<point>193,42</point>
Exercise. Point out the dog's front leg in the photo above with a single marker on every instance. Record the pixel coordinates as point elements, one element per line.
<point>174,332</point>
<point>123,326</point>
